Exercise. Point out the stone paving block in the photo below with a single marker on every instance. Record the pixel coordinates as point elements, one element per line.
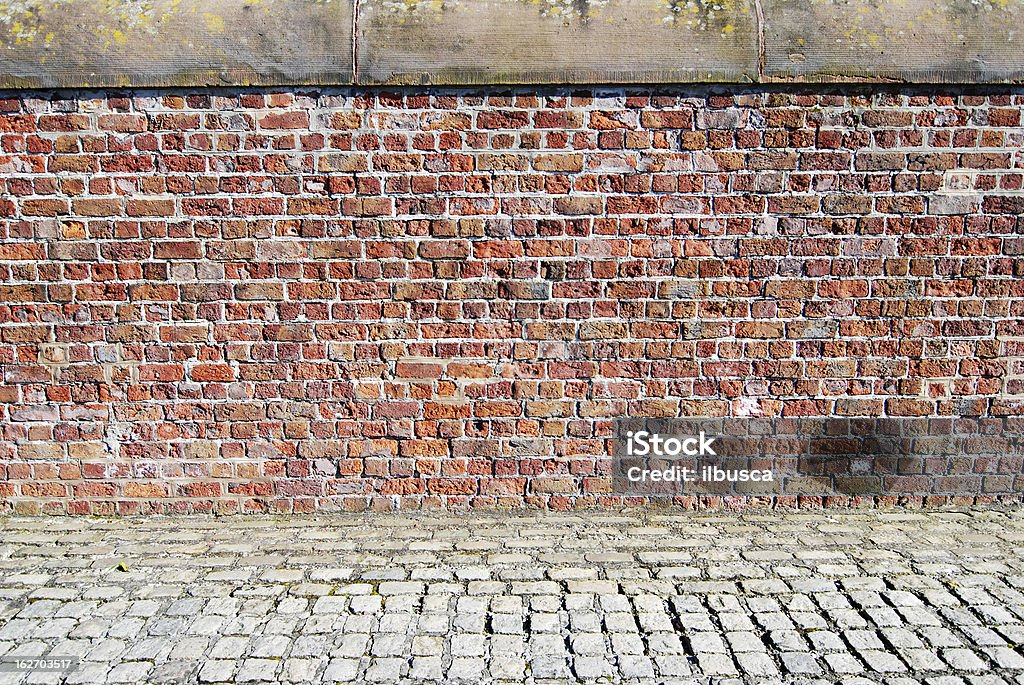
<point>940,637</point>
<point>745,642</point>
<point>843,662</point>
<point>351,644</point>
<point>881,661</point>
<point>757,665</point>
<point>467,668</point>
<point>89,673</point>
<point>715,664</point>
<point>365,604</point>
<point>217,671</point>
<point>592,667</point>
<point>507,668</point>
<point>341,670</point>
<point>964,660</point>
<point>385,669</point>
<point>800,663</point>
<point>641,631</point>
<point>639,667</point>
<point>302,670</point>
<point>550,666</point>
<point>274,647</point>
<point>1005,657</point>
<point>258,670</point>
<point>427,668</point>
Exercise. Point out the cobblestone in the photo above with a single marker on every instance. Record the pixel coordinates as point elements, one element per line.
<point>858,598</point>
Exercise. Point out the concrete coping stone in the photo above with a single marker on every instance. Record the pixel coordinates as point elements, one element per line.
<point>187,43</point>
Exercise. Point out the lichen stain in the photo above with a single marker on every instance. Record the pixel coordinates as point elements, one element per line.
<point>21,24</point>
<point>704,15</point>
<point>113,23</point>
<point>875,23</point>
<point>696,15</point>
<point>214,22</point>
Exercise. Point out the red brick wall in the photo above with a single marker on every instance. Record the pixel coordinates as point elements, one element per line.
<point>250,301</point>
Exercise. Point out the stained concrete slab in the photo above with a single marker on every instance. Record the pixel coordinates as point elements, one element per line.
<point>556,41</point>
<point>916,41</point>
<point>83,43</point>
<point>169,43</point>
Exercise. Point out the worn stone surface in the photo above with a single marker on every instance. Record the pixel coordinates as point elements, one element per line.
<point>881,597</point>
<point>959,41</point>
<point>120,43</point>
<point>517,41</point>
<point>94,43</point>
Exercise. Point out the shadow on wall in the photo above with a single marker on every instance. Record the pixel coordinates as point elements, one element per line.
<point>819,456</point>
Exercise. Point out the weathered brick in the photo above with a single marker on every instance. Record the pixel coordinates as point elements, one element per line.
<point>678,119</point>
<point>259,291</point>
<point>880,161</point>
<point>46,207</point>
<point>447,297</point>
<point>185,249</point>
<point>284,120</point>
<point>558,162</point>
<point>154,207</point>
<point>212,372</point>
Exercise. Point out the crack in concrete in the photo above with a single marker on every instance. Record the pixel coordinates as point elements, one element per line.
<point>355,42</point>
<point>761,51</point>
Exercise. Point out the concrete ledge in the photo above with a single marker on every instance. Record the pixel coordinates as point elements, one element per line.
<point>545,41</point>
<point>907,41</point>
<point>83,43</point>
<point>117,43</point>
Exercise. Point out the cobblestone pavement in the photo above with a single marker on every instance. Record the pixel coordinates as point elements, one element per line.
<point>851,597</point>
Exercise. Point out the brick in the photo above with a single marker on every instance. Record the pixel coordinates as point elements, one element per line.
<point>880,161</point>
<point>579,206</point>
<point>221,373</point>
<point>123,123</point>
<point>519,290</point>
<point>502,162</point>
<point>846,204</point>
<point>290,299</point>
<point>188,249</point>
<point>874,118</point>
<point>558,162</point>
<point>502,119</point>
<point>675,119</point>
<point>259,291</point>
<point>22,293</point>
<point>150,207</point>
<point>47,207</point>
<point>412,369</point>
<point>64,122</point>
<point>343,162</point>
<point>96,206</point>
<point>284,120</point>
<point>721,119</point>
<point>1005,204</point>
<point>947,205</point>
<point>794,204</point>
<point>22,251</point>
<point>444,249</point>
<point>161,372</point>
